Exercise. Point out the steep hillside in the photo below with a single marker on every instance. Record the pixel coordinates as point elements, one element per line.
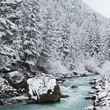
<point>40,35</point>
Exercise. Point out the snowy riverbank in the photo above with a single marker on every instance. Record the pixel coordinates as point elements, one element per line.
<point>75,100</point>
<point>101,86</point>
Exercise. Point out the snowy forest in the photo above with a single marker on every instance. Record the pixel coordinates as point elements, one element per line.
<point>53,51</point>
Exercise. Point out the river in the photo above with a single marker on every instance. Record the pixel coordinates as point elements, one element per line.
<point>76,101</point>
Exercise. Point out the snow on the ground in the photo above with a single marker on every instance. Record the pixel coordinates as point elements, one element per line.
<point>89,66</point>
<point>2,34</point>
<point>56,68</point>
<point>106,68</point>
<point>12,1</point>
<point>103,96</point>
<point>80,68</point>
<point>92,65</point>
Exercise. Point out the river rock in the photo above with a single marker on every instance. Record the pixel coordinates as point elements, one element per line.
<point>83,75</point>
<point>64,96</point>
<point>16,79</point>
<point>74,86</point>
<point>93,87</point>
<point>91,92</point>
<point>1,102</point>
<point>92,82</point>
<point>44,89</point>
<point>92,67</point>
<point>90,98</point>
<point>75,73</point>
<point>6,90</point>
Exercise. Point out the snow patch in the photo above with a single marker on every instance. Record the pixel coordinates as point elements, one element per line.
<point>106,68</point>
<point>91,65</point>
<point>41,85</point>
<point>57,67</point>
<point>80,68</point>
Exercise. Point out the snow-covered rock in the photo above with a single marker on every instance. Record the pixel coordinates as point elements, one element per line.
<point>16,79</point>
<point>44,89</point>
<point>106,68</point>
<point>80,69</point>
<point>92,66</point>
<point>102,101</point>
<point>6,90</point>
<point>17,76</point>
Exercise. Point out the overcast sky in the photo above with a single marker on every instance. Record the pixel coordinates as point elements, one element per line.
<point>101,6</point>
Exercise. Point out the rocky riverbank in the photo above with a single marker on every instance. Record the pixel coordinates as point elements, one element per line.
<point>42,88</point>
<point>19,85</point>
<point>101,86</point>
<point>101,95</point>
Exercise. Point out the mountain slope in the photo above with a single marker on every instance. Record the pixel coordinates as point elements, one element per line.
<point>38,33</point>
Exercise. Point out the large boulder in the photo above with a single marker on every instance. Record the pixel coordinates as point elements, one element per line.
<point>16,79</point>
<point>44,89</point>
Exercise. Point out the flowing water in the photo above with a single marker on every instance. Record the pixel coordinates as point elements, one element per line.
<point>76,101</point>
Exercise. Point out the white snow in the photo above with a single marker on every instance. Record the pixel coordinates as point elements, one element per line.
<point>57,67</point>
<point>106,68</point>
<point>28,52</point>
<point>88,66</point>
<point>101,6</point>
<point>12,1</point>
<point>2,34</point>
<point>2,20</point>
<point>103,86</point>
<point>41,85</point>
<point>31,62</point>
<point>80,68</point>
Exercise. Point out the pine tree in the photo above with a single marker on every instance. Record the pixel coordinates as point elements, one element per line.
<point>8,30</point>
<point>29,35</point>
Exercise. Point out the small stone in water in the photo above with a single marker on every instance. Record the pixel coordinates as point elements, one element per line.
<point>74,86</point>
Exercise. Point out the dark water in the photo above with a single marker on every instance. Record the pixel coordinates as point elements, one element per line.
<point>76,101</point>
